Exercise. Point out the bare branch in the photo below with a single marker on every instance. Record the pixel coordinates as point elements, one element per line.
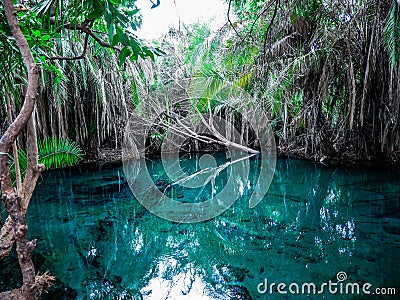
<point>266,7</point>
<point>229,19</point>
<point>270,25</point>
<point>74,57</point>
<point>97,38</point>
<point>86,26</point>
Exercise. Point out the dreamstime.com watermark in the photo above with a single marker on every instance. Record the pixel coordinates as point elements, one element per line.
<point>330,287</point>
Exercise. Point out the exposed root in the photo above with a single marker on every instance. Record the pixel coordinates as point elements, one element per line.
<point>42,283</point>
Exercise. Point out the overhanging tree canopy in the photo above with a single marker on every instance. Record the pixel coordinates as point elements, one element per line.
<point>31,42</point>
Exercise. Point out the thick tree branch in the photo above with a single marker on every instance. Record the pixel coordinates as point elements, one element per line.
<point>33,169</point>
<point>6,237</point>
<point>74,57</point>
<point>97,38</point>
<point>19,123</point>
<point>86,27</point>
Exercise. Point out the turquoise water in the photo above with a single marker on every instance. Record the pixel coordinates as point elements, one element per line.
<point>315,221</point>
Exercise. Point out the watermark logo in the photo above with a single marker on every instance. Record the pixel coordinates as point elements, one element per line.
<point>330,287</point>
<point>232,128</point>
<point>341,276</point>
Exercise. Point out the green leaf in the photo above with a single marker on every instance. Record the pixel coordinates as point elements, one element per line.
<point>125,52</point>
<point>135,46</point>
<point>36,33</point>
<point>96,8</point>
<point>392,34</point>
<point>111,29</point>
<point>132,12</point>
<point>109,18</point>
<point>149,53</point>
<point>158,52</point>
<point>116,39</point>
<point>124,39</point>
<point>58,153</point>
<point>53,153</point>
<point>95,14</point>
<point>134,57</point>
<point>135,94</point>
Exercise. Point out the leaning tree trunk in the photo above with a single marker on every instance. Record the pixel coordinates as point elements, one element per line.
<point>16,202</point>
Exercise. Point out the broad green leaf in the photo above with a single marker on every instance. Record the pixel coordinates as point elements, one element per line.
<point>111,29</point>
<point>116,39</point>
<point>134,57</point>
<point>125,52</point>
<point>36,33</point>
<point>95,14</point>
<point>124,39</point>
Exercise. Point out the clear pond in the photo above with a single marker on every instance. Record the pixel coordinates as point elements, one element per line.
<point>315,222</point>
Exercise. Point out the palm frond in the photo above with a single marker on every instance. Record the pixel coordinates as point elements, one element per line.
<point>392,34</point>
<point>58,153</point>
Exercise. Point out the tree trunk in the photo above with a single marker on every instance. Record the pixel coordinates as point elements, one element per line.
<point>32,286</point>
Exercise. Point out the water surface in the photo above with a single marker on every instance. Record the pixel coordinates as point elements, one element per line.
<point>315,221</point>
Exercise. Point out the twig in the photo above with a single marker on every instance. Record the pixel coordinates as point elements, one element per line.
<point>229,19</point>
<point>256,19</point>
<point>86,26</point>
<point>270,24</point>
<point>74,57</point>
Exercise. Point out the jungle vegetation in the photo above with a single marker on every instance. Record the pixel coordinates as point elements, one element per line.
<point>326,73</point>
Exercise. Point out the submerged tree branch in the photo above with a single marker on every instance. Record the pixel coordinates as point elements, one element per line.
<point>214,170</point>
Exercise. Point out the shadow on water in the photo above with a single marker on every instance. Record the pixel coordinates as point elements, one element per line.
<point>100,243</point>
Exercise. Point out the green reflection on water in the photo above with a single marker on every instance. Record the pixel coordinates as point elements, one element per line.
<point>314,222</point>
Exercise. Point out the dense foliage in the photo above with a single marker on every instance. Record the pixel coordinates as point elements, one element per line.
<point>85,51</point>
<point>33,48</point>
<point>328,73</point>
<point>325,73</point>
